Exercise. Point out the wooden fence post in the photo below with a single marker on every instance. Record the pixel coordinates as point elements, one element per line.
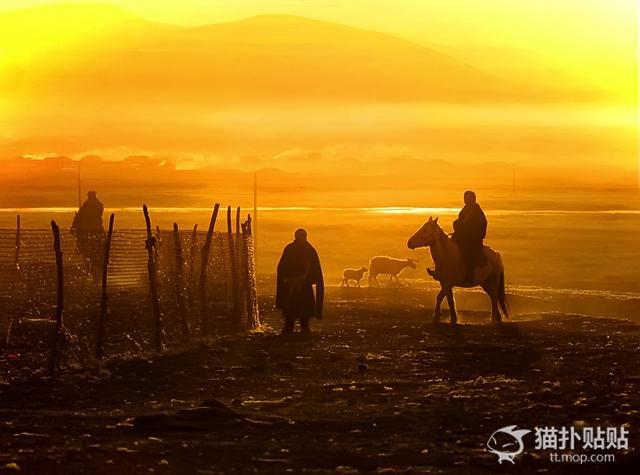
<point>53,361</point>
<point>244,264</point>
<point>157,248</point>
<point>153,284</point>
<point>206,248</point>
<point>103,301</point>
<point>240,286</point>
<point>234,268</point>
<point>182,315</point>
<point>253,313</point>
<point>191,267</point>
<point>18,243</point>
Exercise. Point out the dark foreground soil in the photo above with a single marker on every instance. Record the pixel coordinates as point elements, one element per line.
<point>376,387</point>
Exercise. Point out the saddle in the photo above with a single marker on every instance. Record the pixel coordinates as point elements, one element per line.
<point>473,254</point>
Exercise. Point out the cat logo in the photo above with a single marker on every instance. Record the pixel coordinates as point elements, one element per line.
<point>507,443</point>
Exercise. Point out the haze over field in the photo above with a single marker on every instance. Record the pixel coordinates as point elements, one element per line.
<point>250,88</point>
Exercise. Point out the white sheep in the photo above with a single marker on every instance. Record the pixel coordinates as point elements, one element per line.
<point>353,274</point>
<point>388,265</point>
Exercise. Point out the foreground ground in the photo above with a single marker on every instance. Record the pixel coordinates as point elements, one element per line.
<point>377,387</point>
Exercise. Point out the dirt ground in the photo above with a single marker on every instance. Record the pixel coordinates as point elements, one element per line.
<point>376,388</point>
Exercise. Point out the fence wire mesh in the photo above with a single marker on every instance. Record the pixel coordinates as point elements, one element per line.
<point>28,292</point>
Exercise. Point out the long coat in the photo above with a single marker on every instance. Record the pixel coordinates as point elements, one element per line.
<point>470,229</point>
<point>298,270</point>
<point>89,217</point>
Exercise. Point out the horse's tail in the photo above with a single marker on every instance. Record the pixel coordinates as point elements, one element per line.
<point>502,295</point>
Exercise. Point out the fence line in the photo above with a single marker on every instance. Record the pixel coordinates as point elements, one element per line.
<point>253,312</point>
<point>105,300</point>
<point>53,362</point>
<point>206,249</point>
<point>151,245</point>
<point>104,294</point>
<point>179,284</point>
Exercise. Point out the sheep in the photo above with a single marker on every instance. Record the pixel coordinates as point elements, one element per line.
<point>388,265</point>
<point>353,274</point>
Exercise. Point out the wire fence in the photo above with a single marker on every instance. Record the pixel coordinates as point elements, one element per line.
<point>68,300</point>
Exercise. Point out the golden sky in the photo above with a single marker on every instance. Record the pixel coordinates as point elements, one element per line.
<point>67,88</point>
<point>594,38</point>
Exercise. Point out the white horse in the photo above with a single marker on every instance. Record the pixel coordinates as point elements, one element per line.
<point>451,270</point>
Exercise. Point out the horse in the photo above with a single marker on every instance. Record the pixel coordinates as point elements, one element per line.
<point>451,270</point>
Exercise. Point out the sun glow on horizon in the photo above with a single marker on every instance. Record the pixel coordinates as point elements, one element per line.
<point>75,80</point>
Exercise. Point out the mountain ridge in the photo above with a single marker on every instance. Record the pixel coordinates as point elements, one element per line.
<point>269,29</point>
<point>262,57</point>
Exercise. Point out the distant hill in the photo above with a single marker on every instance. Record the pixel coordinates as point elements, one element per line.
<point>78,79</point>
<point>97,51</point>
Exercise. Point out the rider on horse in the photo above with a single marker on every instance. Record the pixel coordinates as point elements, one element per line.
<point>469,231</point>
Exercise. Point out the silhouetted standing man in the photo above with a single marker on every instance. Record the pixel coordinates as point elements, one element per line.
<point>88,219</point>
<point>298,270</point>
<point>87,224</point>
<point>469,230</point>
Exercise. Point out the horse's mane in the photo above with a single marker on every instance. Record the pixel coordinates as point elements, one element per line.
<point>441,232</point>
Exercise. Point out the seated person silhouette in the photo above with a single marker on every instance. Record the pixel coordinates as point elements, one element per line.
<point>469,231</point>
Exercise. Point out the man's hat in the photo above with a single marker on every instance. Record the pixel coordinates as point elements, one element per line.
<point>91,193</point>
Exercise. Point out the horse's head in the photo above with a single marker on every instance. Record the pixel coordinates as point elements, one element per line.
<point>424,236</point>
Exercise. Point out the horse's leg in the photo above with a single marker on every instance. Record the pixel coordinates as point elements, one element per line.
<point>397,281</point>
<point>357,284</point>
<point>436,310</point>
<point>343,280</point>
<point>492,291</point>
<point>390,280</point>
<point>452,306</point>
